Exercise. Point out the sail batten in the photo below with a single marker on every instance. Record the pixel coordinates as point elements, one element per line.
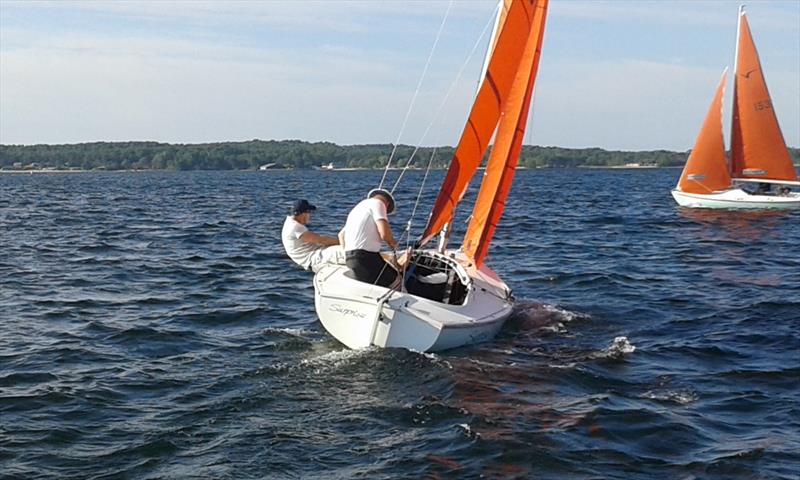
<point>501,71</point>
<point>502,163</point>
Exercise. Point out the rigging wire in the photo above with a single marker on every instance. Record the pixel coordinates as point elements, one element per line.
<point>416,202</point>
<point>442,104</point>
<point>416,92</point>
<point>409,223</point>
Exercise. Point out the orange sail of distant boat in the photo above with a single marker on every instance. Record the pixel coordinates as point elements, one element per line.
<point>706,169</point>
<point>507,146</point>
<point>485,113</point>
<point>758,149</point>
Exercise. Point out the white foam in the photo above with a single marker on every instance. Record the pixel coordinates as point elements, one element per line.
<point>682,397</point>
<point>619,348</point>
<point>295,332</point>
<point>566,315</point>
<point>433,357</point>
<point>334,359</point>
<point>468,431</point>
<point>547,317</point>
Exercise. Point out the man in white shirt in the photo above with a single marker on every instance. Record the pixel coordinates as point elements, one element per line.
<point>306,248</point>
<point>366,227</point>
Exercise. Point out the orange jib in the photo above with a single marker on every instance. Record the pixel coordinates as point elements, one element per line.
<point>706,170</point>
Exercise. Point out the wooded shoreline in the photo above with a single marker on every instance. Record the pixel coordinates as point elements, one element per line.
<point>291,154</point>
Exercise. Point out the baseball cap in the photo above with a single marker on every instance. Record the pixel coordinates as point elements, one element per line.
<point>302,206</point>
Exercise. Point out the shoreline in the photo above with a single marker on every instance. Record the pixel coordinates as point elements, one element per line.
<point>344,169</point>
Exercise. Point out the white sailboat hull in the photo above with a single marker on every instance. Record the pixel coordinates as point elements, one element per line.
<point>361,315</point>
<point>735,198</point>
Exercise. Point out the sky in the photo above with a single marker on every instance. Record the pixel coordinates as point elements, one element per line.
<point>618,74</point>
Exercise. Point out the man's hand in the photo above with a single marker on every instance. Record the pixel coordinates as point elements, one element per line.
<point>392,243</point>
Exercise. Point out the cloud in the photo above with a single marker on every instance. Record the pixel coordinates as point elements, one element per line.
<point>636,105</point>
<point>353,16</point>
<point>774,15</point>
<point>173,91</point>
<point>207,71</point>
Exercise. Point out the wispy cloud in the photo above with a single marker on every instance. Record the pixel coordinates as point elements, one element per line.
<point>614,74</point>
<point>696,13</point>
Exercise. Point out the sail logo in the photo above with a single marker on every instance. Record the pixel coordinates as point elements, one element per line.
<point>346,311</point>
<point>763,105</point>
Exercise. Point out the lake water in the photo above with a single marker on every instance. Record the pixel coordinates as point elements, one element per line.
<point>151,327</point>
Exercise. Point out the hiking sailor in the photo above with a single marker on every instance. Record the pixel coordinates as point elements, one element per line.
<point>367,225</point>
<point>306,248</point>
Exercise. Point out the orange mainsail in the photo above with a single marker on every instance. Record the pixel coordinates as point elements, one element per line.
<point>706,169</point>
<point>758,149</point>
<point>507,146</point>
<point>485,113</point>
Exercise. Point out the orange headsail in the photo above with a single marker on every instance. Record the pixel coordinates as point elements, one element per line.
<point>758,149</point>
<point>706,169</point>
<point>485,113</point>
<point>507,146</point>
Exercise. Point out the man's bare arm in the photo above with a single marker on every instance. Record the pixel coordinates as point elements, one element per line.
<point>316,239</point>
<point>386,233</point>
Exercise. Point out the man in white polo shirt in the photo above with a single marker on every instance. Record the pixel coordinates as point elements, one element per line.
<point>306,248</point>
<point>366,227</point>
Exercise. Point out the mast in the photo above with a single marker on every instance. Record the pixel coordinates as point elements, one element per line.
<point>734,109</point>
<point>492,41</point>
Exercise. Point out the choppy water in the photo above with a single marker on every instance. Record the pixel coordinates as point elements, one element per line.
<point>151,327</point>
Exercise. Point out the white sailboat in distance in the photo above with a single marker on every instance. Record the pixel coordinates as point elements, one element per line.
<point>758,150</point>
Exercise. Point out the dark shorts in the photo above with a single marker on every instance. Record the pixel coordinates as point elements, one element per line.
<point>370,267</point>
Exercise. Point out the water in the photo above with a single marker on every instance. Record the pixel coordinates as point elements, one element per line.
<point>151,327</point>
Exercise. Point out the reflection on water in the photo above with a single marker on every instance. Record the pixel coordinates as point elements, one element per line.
<point>737,238</point>
<point>741,224</point>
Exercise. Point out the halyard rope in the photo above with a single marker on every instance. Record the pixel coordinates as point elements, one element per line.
<point>442,104</point>
<point>416,92</point>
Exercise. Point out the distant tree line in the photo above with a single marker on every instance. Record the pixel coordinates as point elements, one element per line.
<point>297,154</point>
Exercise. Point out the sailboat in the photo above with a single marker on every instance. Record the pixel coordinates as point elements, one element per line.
<point>758,150</point>
<point>450,297</point>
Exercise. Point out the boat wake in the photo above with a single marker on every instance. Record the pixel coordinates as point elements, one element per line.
<point>335,359</point>
<point>542,317</point>
<point>289,332</point>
